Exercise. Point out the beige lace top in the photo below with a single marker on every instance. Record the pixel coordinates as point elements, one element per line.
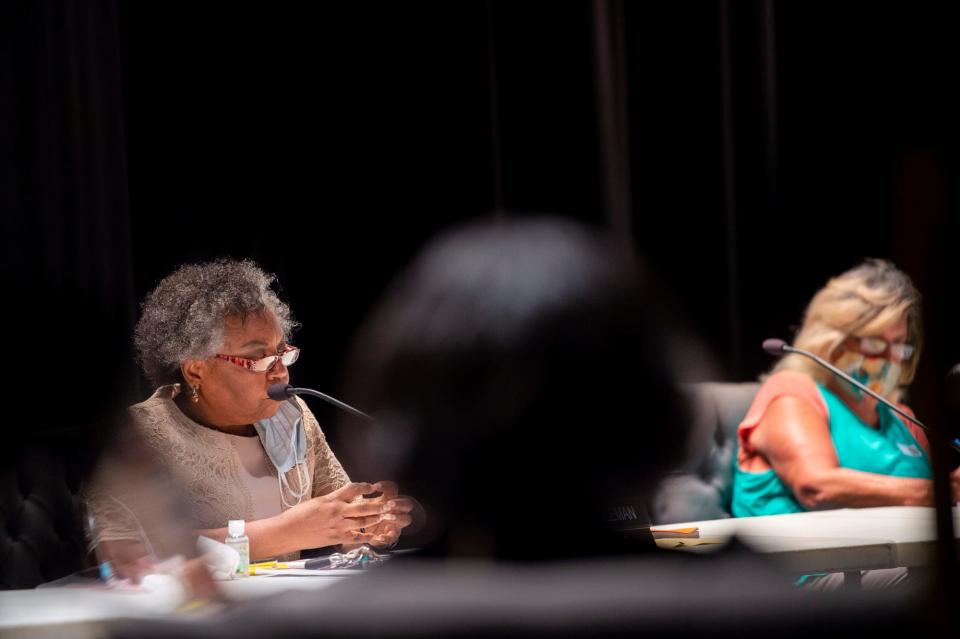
<point>258,476</point>
<point>202,464</point>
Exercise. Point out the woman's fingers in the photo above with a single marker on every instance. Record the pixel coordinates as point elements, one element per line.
<point>356,523</point>
<point>134,570</point>
<point>399,505</point>
<point>358,537</point>
<point>386,535</point>
<point>362,508</point>
<point>385,540</point>
<point>351,491</point>
<point>401,520</point>
<point>128,558</point>
<point>387,488</point>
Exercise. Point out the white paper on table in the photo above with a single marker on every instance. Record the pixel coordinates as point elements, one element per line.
<point>221,559</point>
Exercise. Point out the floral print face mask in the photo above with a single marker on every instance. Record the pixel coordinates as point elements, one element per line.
<point>879,374</point>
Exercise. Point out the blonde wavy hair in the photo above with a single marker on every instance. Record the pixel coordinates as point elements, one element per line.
<point>865,300</point>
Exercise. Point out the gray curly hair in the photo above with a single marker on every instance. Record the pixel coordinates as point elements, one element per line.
<point>183,317</point>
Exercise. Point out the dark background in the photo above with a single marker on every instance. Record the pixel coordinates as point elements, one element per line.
<point>766,146</point>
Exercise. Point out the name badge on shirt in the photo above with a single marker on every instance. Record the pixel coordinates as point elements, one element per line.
<point>910,450</point>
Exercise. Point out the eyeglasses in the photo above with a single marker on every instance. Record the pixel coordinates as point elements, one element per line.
<point>877,346</point>
<point>288,356</point>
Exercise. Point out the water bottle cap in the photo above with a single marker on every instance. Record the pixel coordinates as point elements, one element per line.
<point>235,527</point>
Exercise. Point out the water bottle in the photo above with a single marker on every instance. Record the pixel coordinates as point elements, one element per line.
<point>239,541</point>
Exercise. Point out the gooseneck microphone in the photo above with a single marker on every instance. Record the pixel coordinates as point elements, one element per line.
<point>280,392</point>
<point>778,347</point>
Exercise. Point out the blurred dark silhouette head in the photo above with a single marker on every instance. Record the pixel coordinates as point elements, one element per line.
<point>518,379</point>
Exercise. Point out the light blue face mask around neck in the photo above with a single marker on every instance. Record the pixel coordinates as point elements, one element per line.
<point>283,436</point>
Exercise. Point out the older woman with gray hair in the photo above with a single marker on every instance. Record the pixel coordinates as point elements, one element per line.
<point>212,338</point>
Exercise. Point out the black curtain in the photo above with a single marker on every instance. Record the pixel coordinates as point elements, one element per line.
<point>65,268</point>
<point>64,228</point>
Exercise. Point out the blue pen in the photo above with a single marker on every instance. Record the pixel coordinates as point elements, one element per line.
<point>103,566</point>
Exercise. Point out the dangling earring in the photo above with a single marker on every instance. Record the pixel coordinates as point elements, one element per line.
<point>196,394</point>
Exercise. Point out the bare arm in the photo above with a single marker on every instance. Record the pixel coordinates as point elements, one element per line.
<point>795,441</point>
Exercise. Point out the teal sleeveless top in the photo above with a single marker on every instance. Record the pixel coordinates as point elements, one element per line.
<point>889,449</point>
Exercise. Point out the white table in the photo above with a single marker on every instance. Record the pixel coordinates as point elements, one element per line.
<point>88,611</point>
<point>845,540</point>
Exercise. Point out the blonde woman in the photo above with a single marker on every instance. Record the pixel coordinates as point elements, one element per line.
<point>812,441</point>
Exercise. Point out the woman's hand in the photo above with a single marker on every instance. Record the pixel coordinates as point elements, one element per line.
<point>128,558</point>
<point>396,514</point>
<point>337,518</point>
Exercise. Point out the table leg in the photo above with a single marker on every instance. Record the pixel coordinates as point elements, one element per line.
<point>852,579</point>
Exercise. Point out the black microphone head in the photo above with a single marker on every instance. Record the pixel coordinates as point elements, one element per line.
<point>774,346</point>
<point>279,392</point>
